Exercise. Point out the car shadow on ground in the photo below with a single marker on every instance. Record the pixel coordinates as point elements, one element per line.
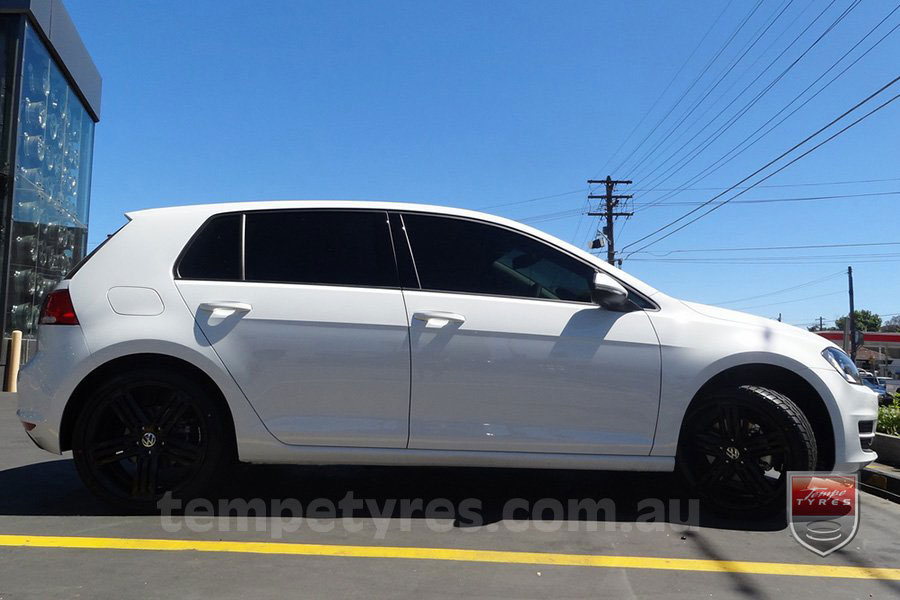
<point>53,488</point>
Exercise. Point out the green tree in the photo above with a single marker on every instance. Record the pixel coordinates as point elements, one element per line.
<point>865,320</point>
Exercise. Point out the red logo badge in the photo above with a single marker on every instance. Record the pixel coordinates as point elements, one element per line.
<point>823,510</point>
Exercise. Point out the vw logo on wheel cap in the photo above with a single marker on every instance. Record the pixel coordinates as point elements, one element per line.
<point>148,440</point>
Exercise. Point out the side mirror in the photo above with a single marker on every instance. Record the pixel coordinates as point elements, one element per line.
<point>607,292</point>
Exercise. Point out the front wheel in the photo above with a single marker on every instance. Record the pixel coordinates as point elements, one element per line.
<point>738,444</point>
<point>148,432</point>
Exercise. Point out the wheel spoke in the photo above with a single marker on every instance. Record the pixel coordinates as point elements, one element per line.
<point>765,444</point>
<point>129,412</point>
<point>708,444</point>
<point>754,478</point>
<point>145,475</point>
<point>730,421</point>
<point>718,470</point>
<point>172,411</point>
<point>183,452</point>
<point>114,450</point>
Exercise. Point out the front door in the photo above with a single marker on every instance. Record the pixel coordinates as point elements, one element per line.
<point>310,322</point>
<point>509,353</point>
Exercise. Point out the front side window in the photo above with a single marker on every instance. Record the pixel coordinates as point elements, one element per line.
<point>320,247</point>
<point>457,255</point>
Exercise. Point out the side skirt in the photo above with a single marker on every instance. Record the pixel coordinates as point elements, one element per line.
<point>329,455</point>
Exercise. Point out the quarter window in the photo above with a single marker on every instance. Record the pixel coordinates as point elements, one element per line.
<point>215,252</point>
<point>320,247</point>
<point>458,255</point>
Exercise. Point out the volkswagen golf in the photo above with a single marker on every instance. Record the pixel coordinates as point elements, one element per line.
<point>377,333</point>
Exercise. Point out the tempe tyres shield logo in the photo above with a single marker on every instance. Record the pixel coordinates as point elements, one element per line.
<point>823,510</point>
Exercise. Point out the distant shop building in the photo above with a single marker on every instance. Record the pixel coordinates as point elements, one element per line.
<point>49,103</point>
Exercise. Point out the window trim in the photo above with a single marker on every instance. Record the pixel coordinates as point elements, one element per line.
<point>631,290</point>
<point>242,250</point>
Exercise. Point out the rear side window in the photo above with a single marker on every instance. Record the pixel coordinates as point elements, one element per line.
<point>320,247</point>
<point>91,254</point>
<point>215,252</point>
<point>458,255</point>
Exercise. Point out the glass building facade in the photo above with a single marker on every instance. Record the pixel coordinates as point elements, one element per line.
<point>46,148</point>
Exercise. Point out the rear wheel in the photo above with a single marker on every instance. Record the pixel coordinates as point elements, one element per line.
<point>737,445</point>
<point>149,432</point>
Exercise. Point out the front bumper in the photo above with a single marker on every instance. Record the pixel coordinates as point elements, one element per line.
<point>854,412</point>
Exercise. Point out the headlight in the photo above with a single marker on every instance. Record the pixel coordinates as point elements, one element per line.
<point>842,363</point>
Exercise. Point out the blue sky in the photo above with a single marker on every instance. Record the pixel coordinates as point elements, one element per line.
<point>490,104</point>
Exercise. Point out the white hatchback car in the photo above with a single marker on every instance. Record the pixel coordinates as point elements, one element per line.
<point>404,334</point>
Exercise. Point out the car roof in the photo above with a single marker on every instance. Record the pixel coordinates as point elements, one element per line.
<point>220,207</point>
<point>207,210</point>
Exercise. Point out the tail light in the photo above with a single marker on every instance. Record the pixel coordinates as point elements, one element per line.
<point>58,309</point>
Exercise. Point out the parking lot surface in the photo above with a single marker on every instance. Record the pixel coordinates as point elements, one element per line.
<point>282,531</point>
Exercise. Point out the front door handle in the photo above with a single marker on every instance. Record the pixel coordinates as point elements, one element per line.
<point>438,318</point>
<point>225,309</point>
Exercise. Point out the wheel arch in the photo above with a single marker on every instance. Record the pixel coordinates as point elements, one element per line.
<point>120,364</point>
<point>790,383</point>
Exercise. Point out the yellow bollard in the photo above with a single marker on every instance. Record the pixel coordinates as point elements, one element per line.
<point>13,357</point>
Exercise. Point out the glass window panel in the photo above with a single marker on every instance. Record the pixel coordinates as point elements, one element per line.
<point>325,247</point>
<point>458,255</point>
<point>51,193</point>
<point>215,254</point>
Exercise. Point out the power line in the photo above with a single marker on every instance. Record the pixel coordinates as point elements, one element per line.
<point>639,206</point>
<point>664,253</point>
<point>574,212</point>
<point>791,301</point>
<point>562,214</point>
<point>718,164</point>
<point>668,86</point>
<point>811,259</point>
<point>710,139</point>
<point>669,135</point>
<point>693,83</point>
<point>770,163</point>
<point>515,202</point>
<point>786,261</point>
<point>780,185</point>
<point>776,292</point>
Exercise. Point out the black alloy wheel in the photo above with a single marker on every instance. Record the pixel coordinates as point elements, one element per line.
<point>146,433</point>
<point>737,446</point>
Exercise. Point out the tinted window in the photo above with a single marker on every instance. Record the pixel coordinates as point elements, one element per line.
<point>215,253</point>
<point>327,247</point>
<point>465,256</point>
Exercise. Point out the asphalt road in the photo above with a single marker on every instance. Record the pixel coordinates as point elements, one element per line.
<point>57,541</point>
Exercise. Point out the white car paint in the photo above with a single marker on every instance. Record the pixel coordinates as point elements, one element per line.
<point>324,374</point>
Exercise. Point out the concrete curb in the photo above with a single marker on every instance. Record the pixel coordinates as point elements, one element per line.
<point>881,480</point>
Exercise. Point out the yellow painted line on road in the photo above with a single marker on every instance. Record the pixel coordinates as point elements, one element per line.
<point>455,554</point>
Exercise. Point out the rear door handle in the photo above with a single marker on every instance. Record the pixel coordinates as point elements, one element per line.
<point>438,318</point>
<point>225,309</point>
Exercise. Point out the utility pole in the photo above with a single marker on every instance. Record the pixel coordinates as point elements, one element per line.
<point>611,201</point>
<point>852,316</point>
<point>821,323</point>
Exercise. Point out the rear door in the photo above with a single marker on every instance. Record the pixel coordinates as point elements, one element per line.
<point>305,311</point>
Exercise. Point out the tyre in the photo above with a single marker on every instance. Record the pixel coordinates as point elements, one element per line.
<point>737,445</point>
<point>147,432</point>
